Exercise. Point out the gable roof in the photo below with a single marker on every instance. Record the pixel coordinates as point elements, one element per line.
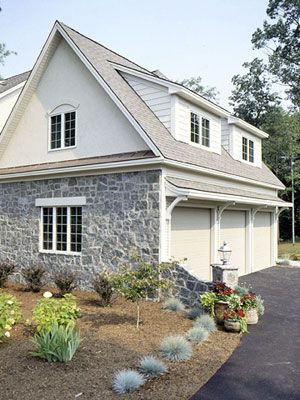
<point>9,83</point>
<point>99,60</point>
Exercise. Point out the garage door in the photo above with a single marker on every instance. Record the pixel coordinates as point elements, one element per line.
<point>233,231</point>
<point>262,241</point>
<point>190,238</point>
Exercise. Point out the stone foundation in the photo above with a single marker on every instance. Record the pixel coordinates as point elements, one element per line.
<point>121,215</point>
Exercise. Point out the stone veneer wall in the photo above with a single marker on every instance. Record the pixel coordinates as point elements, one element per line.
<point>122,214</point>
<point>186,286</point>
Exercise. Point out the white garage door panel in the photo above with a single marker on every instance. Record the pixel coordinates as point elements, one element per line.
<point>233,231</point>
<point>262,241</point>
<point>190,238</point>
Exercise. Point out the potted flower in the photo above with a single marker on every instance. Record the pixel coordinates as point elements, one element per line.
<point>249,305</point>
<point>235,321</point>
<point>223,294</point>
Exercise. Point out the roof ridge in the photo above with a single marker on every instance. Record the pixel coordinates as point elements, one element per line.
<point>106,48</point>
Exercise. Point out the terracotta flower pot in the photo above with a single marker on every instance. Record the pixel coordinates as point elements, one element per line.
<point>220,308</point>
<point>232,326</point>
<point>252,316</point>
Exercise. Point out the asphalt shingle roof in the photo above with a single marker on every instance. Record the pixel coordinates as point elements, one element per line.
<point>6,84</point>
<point>100,58</point>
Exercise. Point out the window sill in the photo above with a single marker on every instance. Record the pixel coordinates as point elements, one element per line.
<point>61,253</point>
<point>62,148</point>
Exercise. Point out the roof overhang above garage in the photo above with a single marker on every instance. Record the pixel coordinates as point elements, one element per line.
<point>207,192</point>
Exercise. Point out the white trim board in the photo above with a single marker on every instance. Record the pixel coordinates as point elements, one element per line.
<point>60,201</point>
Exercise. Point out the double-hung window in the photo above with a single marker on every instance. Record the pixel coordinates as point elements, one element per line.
<point>62,229</point>
<point>200,130</point>
<point>247,150</point>
<point>63,130</point>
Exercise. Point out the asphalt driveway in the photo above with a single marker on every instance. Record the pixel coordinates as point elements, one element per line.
<point>266,365</point>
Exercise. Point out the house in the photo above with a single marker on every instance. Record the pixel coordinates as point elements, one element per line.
<point>99,156</point>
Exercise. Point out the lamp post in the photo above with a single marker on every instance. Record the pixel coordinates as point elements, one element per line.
<point>225,253</point>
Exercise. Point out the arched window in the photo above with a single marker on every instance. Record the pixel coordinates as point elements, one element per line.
<point>63,126</point>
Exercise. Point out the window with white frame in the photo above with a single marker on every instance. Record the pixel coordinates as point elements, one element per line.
<point>63,130</point>
<point>247,150</point>
<point>62,229</point>
<point>200,137</point>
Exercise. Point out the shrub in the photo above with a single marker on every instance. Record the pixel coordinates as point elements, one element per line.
<point>260,305</point>
<point>9,314</point>
<point>197,334</point>
<point>241,290</point>
<point>141,282</point>
<point>176,348</point>
<point>195,312</point>
<point>173,304</point>
<point>104,285</point>
<point>6,269</point>
<point>208,300</point>
<point>152,367</point>
<point>59,343</point>
<point>206,322</point>
<point>33,277</point>
<point>65,281</point>
<point>49,311</point>
<point>127,380</point>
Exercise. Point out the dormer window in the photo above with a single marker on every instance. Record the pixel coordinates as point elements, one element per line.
<point>202,138</point>
<point>63,130</point>
<point>248,150</point>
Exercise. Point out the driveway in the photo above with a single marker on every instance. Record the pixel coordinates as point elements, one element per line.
<point>266,365</point>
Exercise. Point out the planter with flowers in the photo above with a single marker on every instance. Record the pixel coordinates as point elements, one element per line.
<point>235,321</point>
<point>249,304</point>
<point>217,301</point>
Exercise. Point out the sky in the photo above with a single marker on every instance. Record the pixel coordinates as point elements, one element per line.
<point>181,38</point>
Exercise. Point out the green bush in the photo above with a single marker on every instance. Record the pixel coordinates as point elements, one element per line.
<point>296,257</point>
<point>127,380</point>
<point>59,343</point>
<point>173,304</point>
<point>6,269</point>
<point>260,305</point>
<point>195,312</point>
<point>206,322</point>
<point>49,311</point>
<point>197,334</point>
<point>9,314</point>
<point>152,367</point>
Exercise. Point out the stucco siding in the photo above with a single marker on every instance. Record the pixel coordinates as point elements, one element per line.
<point>101,127</point>
<point>6,105</point>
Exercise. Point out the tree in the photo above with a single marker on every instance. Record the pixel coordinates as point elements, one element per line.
<point>252,97</point>
<point>195,84</point>
<point>280,37</point>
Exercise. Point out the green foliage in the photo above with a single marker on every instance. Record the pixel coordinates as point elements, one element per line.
<point>197,334</point>
<point>208,300</point>
<point>33,277</point>
<point>152,367</point>
<point>196,85</point>
<point>241,290</point>
<point>140,282</point>
<point>280,39</point>
<point>296,257</point>
<point>59,343</point>
<point>49,311</point>
<point>104,284</point>
<point>252,97</point>
<point>206,322</point>
<point>173,304</point>
<point>176,348</point>
<point>195,312</point>
<point>65,281</point>
<point>6,269</point>
<point>9,313</point>
<point>127,380</point>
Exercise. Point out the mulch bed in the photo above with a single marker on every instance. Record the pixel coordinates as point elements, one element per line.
<point>110,342</point>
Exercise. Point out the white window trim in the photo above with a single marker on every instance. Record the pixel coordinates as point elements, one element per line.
<point>248,151</point>
<point>54,250</point>
<point>62,114</point>
<point>60,201</point>
<point>201,117</point>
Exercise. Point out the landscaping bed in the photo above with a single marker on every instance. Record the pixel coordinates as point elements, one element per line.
<point>111,342</point>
